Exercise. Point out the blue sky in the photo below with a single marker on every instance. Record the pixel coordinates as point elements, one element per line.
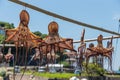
<point>101,13</point>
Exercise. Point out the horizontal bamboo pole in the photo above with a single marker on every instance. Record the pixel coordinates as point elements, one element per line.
<point>95,39</point>
<point>62,17</point>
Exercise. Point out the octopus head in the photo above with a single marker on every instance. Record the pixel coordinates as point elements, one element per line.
<point>24,17</point>
<point>53,28</point>
<point>91,45</point>
<point>100,38</point>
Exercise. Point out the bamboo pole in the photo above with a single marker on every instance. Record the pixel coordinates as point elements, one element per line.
<point>95,39</point>
<point>62,17</point>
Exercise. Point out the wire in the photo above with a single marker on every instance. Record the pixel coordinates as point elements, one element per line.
<point>118,32</point>
<point>116,41</point>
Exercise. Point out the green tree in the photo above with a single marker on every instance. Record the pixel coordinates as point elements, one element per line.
<point>95,69</point>
<point>43,35</point>
<point>38,33</point>
<point>7,25</point>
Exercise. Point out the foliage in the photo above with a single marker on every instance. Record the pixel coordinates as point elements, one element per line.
<point>43,35</point>
<point>2,72</point>
<point>95,69</point>
<point>62,57</point>
<point>38,33</point>
<point>65,63</point>
<point>2,37</point>
<point>7,25</point>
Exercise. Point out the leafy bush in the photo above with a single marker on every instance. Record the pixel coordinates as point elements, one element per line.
<point>2,72</point>
<point>65,63</point>
<point>95,69</point>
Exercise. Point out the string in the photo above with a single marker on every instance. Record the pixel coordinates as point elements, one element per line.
<point>24,7</point>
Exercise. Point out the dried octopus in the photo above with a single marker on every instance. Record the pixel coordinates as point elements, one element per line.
<point>21,36</point>
<point>54,43</point>
<point>5,58</point>
<point>8,56</point>
<point>100,50</point>
<point>81,50</point>
<point>23,39</point>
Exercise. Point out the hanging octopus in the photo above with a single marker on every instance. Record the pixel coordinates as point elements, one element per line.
<point>54,43</point>
<point>90,53</point>
<point>8,56</point>
<point>109,54</point>
<point>99,50</point>
<point>23,39</point>
<point>21,36</point>
<point>81,50</point>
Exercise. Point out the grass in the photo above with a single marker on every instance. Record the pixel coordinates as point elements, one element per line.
<point>52,75</point>
<point>55,75</point>
<point>62,75</point>
<point>112,75</point>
